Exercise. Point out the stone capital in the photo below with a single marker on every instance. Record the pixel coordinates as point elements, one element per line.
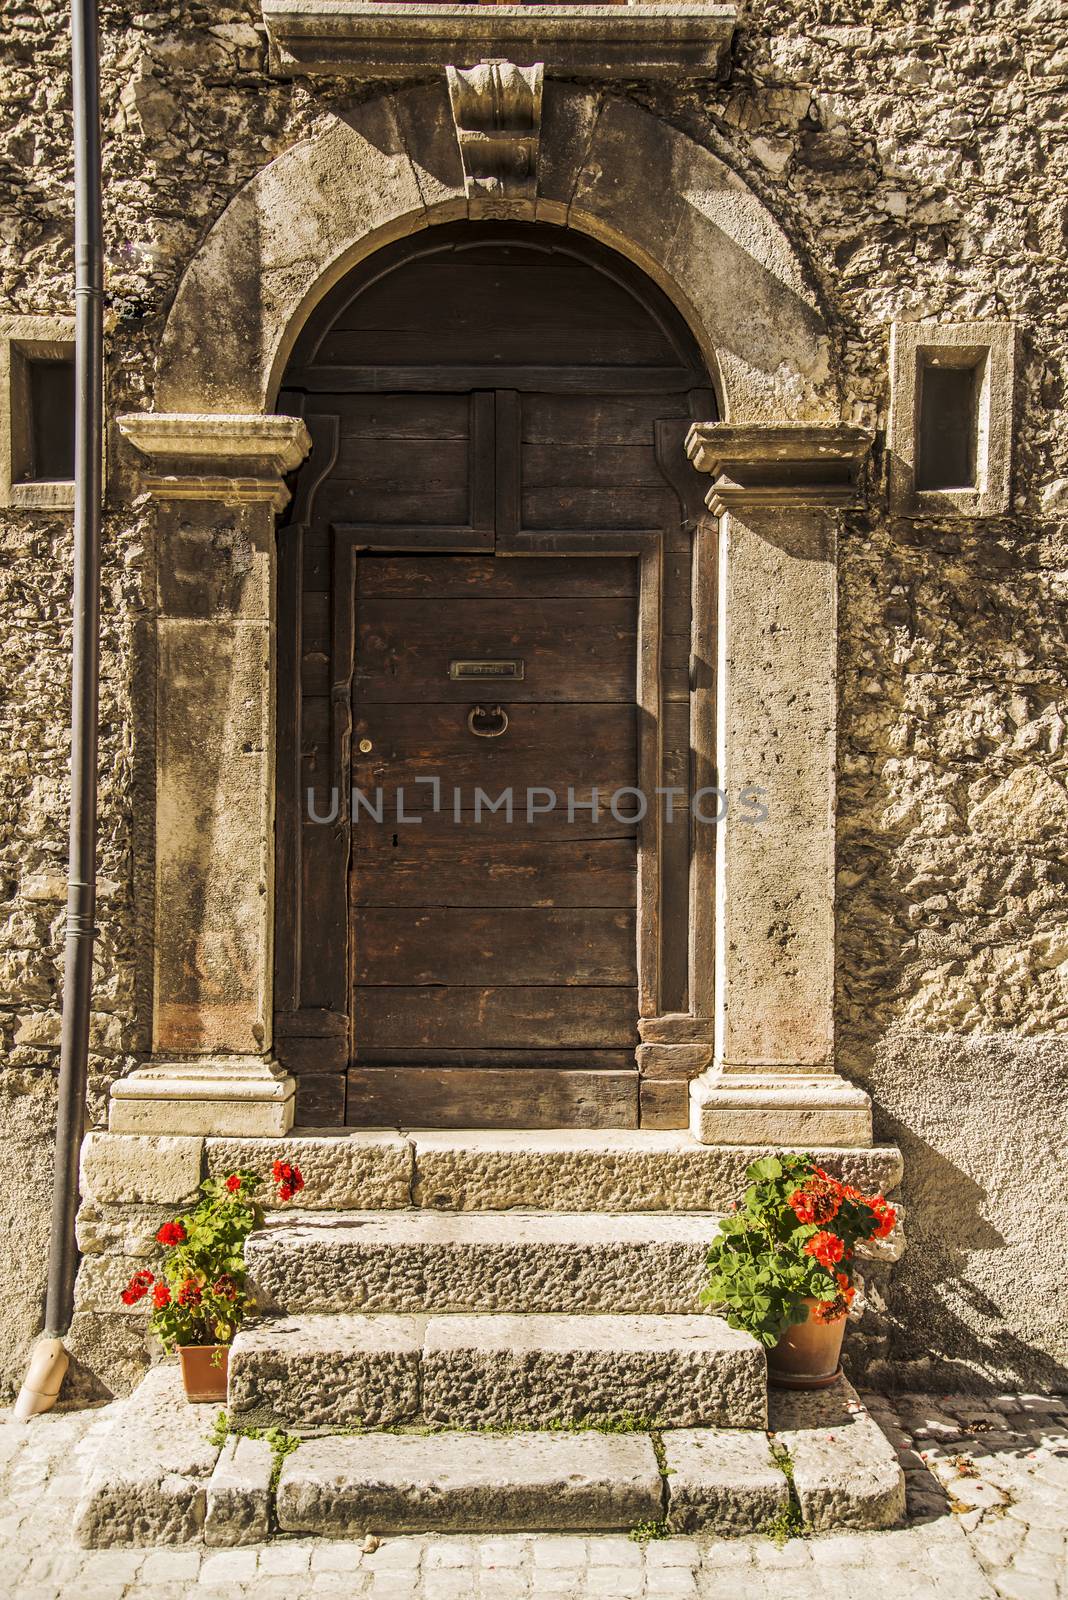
<point>236,459</point>
<point>780,465</point>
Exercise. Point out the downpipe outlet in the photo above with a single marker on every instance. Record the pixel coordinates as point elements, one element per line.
<point>43,1381</point>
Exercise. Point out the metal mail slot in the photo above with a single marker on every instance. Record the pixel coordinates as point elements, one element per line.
<point>486,669</point>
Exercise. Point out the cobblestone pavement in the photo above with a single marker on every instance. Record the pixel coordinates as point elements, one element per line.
<point>988,1518</point>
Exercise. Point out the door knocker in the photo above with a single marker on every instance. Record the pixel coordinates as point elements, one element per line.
<point>487,722</point>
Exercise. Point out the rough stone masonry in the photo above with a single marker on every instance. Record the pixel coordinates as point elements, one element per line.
<point>917,155</point>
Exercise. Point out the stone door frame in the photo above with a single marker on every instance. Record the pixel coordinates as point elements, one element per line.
<point>214,457</point>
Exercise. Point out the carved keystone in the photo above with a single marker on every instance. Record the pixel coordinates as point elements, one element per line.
<point>496,108</point>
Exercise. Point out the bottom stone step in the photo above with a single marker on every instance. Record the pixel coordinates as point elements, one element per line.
<point>419,1483</point>
<point>159,1478</point>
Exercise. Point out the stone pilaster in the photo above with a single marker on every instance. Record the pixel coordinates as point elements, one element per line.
<point>217,481</point>
<point>777,489</point>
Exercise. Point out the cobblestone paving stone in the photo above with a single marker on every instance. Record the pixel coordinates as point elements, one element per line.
<point>988,1520</point>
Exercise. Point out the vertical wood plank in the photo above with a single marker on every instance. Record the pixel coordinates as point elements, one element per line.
<point>508,463</point>
<point>649,766</point>
<point>702,913</point>
<point>287,862</point>
<point>482,466</point>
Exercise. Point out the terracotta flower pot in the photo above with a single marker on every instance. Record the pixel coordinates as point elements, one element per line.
<point>808,1354</point>
<point>203,1374</point>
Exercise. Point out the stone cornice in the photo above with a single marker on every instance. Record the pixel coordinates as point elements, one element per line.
<point>767,465</point>
<point>263,443</point>
<point>200,456</point>
<point>381,39</point>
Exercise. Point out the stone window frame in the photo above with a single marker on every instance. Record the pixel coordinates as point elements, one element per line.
<point>26,338</point>
<point>959,344</point>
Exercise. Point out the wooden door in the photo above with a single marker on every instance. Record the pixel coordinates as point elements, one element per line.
<point>493,941</point>
<point>498,421</point>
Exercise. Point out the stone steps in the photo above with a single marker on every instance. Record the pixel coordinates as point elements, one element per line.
<point>416,1261</point>
<point>158,1479</point>
<point>476,1170</point>
<point>380,1369</point>
<point>477,1331</point>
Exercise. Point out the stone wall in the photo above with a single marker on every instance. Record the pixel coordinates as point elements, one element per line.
<point>917,155</point>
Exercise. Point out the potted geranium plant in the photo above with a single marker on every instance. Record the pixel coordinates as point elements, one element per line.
<point>783,1264</point>
<point>199,1298</point>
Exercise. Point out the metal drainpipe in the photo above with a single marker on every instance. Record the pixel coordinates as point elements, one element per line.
<point>48,1364</point>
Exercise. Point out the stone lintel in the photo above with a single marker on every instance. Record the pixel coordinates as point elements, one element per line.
<point>780,465</point>
<point>787,1108</point>
<point>238,459</point>
<point>232,1096</point>
<point>378,39</point>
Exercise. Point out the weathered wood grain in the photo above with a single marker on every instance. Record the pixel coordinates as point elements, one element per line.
<point>665,1102</point>
<point>497,945</point>
<point>460,576</point>
<point>458,1097</point>
<point>475,869</point>
<point>502,1018</point>
<point>570,649</point>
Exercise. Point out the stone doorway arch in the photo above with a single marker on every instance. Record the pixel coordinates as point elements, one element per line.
<point>216,457</point>
<point>606,167</point>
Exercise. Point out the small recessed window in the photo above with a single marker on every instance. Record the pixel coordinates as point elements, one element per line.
<point>49,437</point>
<point>949,425</point>
<point>37,412</point>
<point>949,432</point>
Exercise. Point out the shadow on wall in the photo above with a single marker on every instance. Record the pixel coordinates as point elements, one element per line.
<point>977,1302</point>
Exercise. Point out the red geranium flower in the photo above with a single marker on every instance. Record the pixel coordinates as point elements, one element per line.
<point>171,1233</point>
<point>885,1214</point>
<point>190,1294</point>
<point>233,1183</point>
<point>288,1178</point>
<point>224,1287</point>
<point>826,1247</point>
<point>829,1310</point>
<point>137,1288</point>
<point>819,1200</point>
<point>161,1296</point>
